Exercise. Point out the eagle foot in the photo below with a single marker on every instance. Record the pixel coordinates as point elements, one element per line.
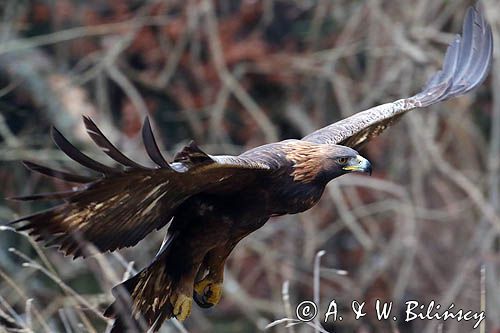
<point>207,293</point>
<point>182,306</point>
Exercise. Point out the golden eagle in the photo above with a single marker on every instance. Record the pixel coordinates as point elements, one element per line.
<point>215,201</point>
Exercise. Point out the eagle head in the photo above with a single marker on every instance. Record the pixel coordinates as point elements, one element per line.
<point>324,162</point>
<point>340,160</point>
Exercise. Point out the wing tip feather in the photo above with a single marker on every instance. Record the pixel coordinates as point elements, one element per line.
<point>63,175</point>
<point>151,145</point>
<point>467,72</point>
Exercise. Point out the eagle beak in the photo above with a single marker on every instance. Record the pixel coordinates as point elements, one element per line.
<point>359,164</point>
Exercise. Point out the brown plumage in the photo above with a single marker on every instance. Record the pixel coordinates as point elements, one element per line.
<point>215,201</point>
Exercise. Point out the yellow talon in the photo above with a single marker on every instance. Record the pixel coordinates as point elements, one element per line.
<point>214,293</point>
<point>182,307</point>
<point>207,292</point>
<point>200,286</point>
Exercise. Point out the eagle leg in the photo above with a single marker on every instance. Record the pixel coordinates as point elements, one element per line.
<point>207,292</point>
<point>208,287</point>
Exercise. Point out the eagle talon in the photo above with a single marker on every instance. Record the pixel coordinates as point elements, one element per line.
<point>207,293</point>
<point>182,307</point>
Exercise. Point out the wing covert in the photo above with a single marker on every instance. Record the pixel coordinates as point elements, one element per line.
<point>121,205</point>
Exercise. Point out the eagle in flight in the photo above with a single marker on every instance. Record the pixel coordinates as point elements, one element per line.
<point>213,201</point>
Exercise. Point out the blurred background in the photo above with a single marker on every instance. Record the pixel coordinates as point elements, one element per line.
<point>233,75</point>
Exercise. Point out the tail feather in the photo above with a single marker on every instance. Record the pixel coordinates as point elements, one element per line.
<point>122,309</point>
<point>145,300</point>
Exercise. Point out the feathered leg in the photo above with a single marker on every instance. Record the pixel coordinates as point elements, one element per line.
<point>210,277</point>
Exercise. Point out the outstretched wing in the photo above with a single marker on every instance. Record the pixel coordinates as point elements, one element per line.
<point>466,64</point>
<point>122,205</point>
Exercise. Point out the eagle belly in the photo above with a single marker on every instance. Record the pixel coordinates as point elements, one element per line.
<point>221,217</point>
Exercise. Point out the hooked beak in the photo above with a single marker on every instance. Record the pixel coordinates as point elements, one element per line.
<point>359,164</point>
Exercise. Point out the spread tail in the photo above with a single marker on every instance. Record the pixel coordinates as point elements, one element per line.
<point>150,297</point>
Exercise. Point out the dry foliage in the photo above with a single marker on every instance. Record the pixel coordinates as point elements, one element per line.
<point>233,75</point>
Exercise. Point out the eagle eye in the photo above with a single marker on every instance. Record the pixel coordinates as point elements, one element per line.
<point>342,160</point>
